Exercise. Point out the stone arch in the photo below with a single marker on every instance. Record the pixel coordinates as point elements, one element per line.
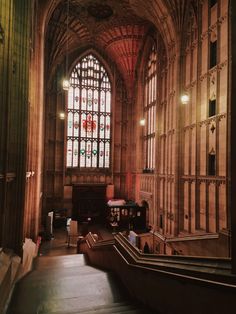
<point>103,60</point>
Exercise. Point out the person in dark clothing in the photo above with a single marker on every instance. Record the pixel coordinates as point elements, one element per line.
<point>146,248</point>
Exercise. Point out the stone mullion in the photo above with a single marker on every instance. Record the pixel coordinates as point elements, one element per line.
<point>28,186</point>
<point>217,120</point>
<point>23,57</point>
<point>16,127</point>
<point>4,81</point>
<point>198,116</point>
<point>179,189</point>
<point>232,139</point>
<point>24,71</point>
<point>6,223</point>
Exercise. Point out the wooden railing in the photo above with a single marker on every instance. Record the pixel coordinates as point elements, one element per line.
<point>146,276</point>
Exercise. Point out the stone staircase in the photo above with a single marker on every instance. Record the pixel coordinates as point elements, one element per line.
<point>66,285</point>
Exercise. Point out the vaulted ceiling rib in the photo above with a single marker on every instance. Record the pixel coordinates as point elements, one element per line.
<point>116,27</point>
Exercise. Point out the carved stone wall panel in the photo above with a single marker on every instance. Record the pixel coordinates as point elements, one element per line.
<point>168,156</point>
<point>222,207</point>
<point>193,151</point>
<point>188,69</point>
<point>186,207</point>
<point>213,18</point>
<point>224,6</point>
<point>161,157</point>
<point>194,64</point>
<point>204,67</point>
<point>168,207</point>
<point>212,137</point>
<point>161,193</point>
<point>202,150</point>
<point>193,207</point>
<point>204,100</point>
<point>222,147</point>
<point>205,12</point>
<point>223,77</point>
<point>212,216</point>
<point>173,209</point>
<point>202,209</point>
<point>187,114</point>
<point>193,104</point>
<point>186,144</point>
<point>213,86</point>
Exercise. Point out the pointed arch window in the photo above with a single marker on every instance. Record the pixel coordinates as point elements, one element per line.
<point>89,116</point>
<point>150,98</point>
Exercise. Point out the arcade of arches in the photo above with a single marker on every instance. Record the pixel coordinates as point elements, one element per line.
<point>127,61</point>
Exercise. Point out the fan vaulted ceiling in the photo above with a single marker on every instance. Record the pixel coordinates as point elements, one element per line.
<point>111,26</point>
<point>114,27</point>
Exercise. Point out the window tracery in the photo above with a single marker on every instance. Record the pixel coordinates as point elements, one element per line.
<point>150,110</point>
<point>89,116</point>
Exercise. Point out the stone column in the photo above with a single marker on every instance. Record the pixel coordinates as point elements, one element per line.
<point>232,137</point>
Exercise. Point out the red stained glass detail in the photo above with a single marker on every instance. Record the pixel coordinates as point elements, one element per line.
<point>89,125</point>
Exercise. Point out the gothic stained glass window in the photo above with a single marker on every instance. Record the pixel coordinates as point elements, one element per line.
<point>89,116</point>
<point>150,111</point>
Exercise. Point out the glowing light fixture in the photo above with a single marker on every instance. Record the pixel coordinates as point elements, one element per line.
<point>62,115</point>
<point>142,122</point>
<point>66,82</point>
<point>185,99</point>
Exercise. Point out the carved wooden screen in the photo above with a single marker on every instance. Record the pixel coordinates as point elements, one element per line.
<point>150,110</point>
<point>89,116</point>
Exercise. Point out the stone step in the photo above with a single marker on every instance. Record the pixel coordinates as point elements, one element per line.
<point>67,285</point>
<point>116,307</point>
<point>55,262</point>
<point>45,274</point>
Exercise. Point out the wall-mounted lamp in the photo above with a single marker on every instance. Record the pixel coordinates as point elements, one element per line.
<point>142,122</point>
<point>62,115</point>
<point>65,84</point>
<point>185,99</point>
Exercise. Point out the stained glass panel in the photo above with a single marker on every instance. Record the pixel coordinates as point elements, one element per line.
<point>82,154</point>
<point>150,98</point>
<point>70,98</point>
<point>70,124</point>
<point>89,115</point>
<point>108,102</point>
<point>107,154</point>
<point>102,126</point>
<point>107,127</point>
<point>76,124</point>
<point>69,153</point>
<point>95,100</point>
<point>75,153</point>
<point>76,98</point>
<point>102,104</point>
<point>101,154</point>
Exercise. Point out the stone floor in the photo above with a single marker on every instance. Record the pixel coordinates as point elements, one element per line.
<point>58,245</point>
